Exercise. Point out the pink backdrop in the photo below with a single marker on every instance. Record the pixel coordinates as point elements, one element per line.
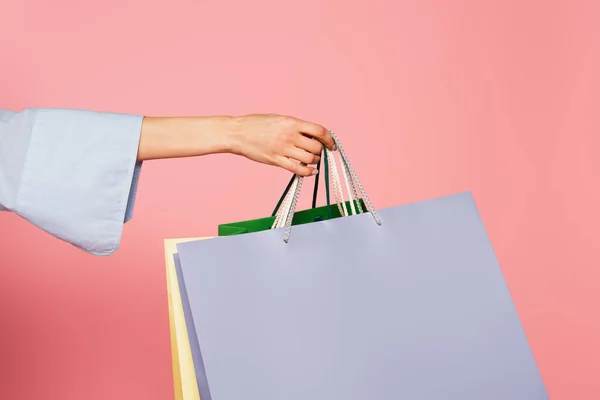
<point>429,97</point>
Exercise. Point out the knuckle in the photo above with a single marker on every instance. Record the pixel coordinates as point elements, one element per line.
<point>290,122</point>
<point>318,148</point>
<point>298,168</point>
<point>320,132</point>
<point>289,135</point>
<point>293,165</point>
<point>304,172</point>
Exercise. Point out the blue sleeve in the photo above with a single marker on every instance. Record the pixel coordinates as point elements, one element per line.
<point>72,173</point>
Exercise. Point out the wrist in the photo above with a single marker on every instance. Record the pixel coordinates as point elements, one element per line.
<point>231,135</point>
<point>225,132</point>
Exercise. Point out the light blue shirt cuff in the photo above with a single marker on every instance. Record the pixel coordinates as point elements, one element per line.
<point>72,173</point>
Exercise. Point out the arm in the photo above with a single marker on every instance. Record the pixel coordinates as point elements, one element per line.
<point>74,173</point>
<point>270,139</point>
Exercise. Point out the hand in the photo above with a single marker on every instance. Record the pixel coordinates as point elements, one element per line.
<point>276,140</point>
<point>279,140</point>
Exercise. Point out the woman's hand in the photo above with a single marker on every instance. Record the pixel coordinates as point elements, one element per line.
<point>275,140</point>
<point>278,140</point>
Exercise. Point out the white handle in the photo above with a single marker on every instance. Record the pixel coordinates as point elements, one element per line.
<point>286,214</point>
<point>284,211</point>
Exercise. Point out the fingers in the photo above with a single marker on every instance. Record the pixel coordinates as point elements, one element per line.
<point>302,156</point>
<point>309,145</point>
<point>319,133</point>
<point>296,168</point>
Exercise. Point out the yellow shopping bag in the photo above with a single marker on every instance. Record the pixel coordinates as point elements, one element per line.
<point>184,374</point>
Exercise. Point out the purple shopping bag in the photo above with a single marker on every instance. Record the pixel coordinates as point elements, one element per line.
<point>411,304</point>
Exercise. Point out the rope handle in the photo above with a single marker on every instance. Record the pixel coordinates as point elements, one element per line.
<point>284,203</point>
<point>315,191</point>
<point>350,177</point>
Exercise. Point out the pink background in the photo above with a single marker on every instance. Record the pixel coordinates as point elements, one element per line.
<point>429,98</point>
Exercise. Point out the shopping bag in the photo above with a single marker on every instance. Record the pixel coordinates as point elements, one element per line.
<point>184,375</point>
<point>310,215</point>
<point>262,224</point>
<point>407,302</point>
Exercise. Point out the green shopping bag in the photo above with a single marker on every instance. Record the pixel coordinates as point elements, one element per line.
<point>313,214</point>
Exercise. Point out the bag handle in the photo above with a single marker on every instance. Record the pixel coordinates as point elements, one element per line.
<point>315,190</point>
<point>338,192</point>
<point>329,160</point>
<point>283,206</point>
<point>350,181</point>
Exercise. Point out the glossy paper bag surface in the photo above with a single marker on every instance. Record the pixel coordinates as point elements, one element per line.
<point>416,308</point>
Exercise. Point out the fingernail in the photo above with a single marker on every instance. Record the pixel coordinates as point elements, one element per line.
<point>315,171</point>
<point>334,148</point>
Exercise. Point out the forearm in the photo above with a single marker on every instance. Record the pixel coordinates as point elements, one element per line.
<point>269,139</point>
<point>175,137</point>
